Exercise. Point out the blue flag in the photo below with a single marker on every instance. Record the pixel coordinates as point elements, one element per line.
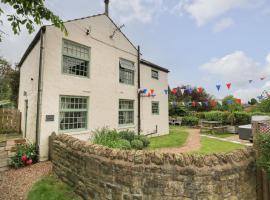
<point>218,87</point>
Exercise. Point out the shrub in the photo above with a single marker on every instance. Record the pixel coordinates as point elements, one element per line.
<point>106,137</point>
<point>200,115</point>
<point>145,140</point>
<point>137,144</point>
<point>122,144</point>
<point>25,155</point>
<point>190,121</point>
<point>242,118</point>
<point>263,145</point>
<point>127,135</point>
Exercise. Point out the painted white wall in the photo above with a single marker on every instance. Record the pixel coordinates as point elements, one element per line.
<point>151,121</point>
<point>28,71</point>
<point>102,87</point>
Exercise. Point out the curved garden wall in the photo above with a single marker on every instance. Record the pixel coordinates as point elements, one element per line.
<point>99,172</point>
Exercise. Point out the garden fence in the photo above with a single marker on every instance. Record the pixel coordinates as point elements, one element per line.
<point>263,183</point>
<point>10,121</point>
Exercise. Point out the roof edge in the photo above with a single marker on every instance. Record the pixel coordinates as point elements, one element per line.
<point>31,46</point>
<point>150,64</point>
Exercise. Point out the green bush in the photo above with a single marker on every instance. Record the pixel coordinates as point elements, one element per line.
<point>137,144</point>
<point>242,118</point>
<point>122,144</point>
<point>263,144</point>
<point>200,115</point>
<point>127,135</point>
<point>216,116</point>
<point>145,140</point>
<point>119,140</point>
<point>25,155</point>
<point>190,121</point>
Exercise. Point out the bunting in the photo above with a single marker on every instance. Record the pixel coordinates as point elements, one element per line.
<point>218,87</point>
<point>229,85</point>
<point>200,89</point>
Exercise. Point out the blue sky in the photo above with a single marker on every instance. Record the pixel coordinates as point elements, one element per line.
<point>202,42</point>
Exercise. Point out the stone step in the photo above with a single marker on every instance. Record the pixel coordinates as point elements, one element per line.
<point>4,162</point>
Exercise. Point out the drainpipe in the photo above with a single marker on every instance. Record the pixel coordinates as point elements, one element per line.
<point>42,30</point>
<point>139,93</point>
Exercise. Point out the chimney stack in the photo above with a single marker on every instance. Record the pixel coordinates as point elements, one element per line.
<point>106,7</point>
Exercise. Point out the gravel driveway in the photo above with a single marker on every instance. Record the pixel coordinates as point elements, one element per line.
<point>15,184</point>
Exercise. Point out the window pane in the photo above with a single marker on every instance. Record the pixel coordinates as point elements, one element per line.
<point>126,72</point>
<point>73,113</point>
<point>126,112</point>
<point>76,50</point>
<point>154,74</point>
<point>75,66</point>
<point>155,107</point>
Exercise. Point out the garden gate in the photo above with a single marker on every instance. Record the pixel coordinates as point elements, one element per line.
<point>10,121</point>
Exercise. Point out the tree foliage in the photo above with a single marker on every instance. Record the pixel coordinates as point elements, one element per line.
<point>9,82</point>
<point>264,106</point>
<point>229,103</point>
<point>28,13</point>
<point>252,101</point>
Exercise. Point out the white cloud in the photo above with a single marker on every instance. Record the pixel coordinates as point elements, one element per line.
<point>204,11</point>
<point>139,10</point>
<point>223,24</point>
<point>236,67</point>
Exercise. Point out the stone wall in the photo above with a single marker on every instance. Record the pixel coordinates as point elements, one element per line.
<point>102,173</point>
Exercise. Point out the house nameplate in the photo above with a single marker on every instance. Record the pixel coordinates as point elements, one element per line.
<point>49,118</point>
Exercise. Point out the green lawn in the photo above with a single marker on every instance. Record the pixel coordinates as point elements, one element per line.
<point>216,146</point>
<point>50,188</point>
<point>176,138</point>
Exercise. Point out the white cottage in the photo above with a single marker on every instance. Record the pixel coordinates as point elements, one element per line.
<point>87,80</point>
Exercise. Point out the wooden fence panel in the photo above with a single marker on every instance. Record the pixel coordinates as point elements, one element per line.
<point>10,121</point>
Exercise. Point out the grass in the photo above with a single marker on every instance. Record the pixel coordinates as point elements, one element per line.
<point>210,146</point>
<point>50,188</point>
<point>176,138</point>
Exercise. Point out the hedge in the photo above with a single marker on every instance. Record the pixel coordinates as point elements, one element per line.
<point>190,121</point>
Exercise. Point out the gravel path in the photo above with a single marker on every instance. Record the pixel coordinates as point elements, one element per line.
<point>234,139</point>
<point>193,143</point>
<point>15,184</point>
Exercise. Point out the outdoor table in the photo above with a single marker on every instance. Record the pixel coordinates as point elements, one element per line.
<point>212,125</point>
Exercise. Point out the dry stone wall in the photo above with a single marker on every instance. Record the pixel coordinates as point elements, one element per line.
<point>98,172</point>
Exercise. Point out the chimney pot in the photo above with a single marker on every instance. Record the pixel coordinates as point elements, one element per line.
<point>106,7</point>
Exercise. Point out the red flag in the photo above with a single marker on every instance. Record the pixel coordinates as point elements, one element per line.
<point>193,103</point>
<point>229,85</point>
<point>152,91</point>
<point>200,90</point>
<point>213,103</point>
<point>148,94</point>
<point>238,101</point>
<point>262,78</point>
<point>174,91</point>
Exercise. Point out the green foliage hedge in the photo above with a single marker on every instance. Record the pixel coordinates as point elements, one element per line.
<point>120,140</point>
<point>190,121</point>
<point>229,118</point>
<point>263,147</point>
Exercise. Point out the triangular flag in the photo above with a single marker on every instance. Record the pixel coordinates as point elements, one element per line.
<point>200,103</point>
<point>189,90</point>
<point>206,103</point>
<point>182,91</point>
<point>229,85</point>
<point>218,87</point>
<point>174,91</point>
<point>152,91</point>
<point>250,81</point>
<point>193,103</point>
<point>220,102</point>
<point>213,103</point>
<point>229,101</point>
<point>166,92</point>
<point>144,91</point>
<point>200,90</point>
<point>262,78</point>
<point>260,97</point>
<point>238,101</point>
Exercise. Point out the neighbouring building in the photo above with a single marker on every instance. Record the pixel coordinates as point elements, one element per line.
<point>90,79</point>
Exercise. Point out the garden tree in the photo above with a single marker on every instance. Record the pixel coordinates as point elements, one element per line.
<point>195,95</point>
<point>9,82</point>
<point>229,104</point>
<point>252,101</point>
<point>264,105</point>
<point>29,13</point>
